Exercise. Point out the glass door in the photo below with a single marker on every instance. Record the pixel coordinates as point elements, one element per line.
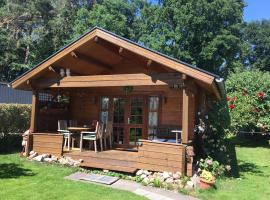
<point>119,105</point>
<point>135,120</point>
<point>128,120</point>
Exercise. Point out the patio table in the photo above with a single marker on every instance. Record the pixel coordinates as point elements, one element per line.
<point>77,131</point>
<point>176,134</point>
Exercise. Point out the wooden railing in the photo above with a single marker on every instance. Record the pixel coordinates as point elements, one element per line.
<point>48,143</point>
<point>162,156</point>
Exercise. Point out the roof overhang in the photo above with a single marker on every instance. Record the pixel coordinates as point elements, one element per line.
<point>209,79</point>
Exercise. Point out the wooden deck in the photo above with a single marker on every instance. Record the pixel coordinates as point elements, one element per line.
<point>115,160</point>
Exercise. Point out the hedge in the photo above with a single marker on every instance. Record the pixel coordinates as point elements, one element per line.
<point>14,118</point>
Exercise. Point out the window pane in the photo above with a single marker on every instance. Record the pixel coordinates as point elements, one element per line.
<point>104,103</point>
<point>118,135</point>
<point>137,102</point>
<point>136,119</point>
<point>153,103</point>
<point>152,133</point>
<point>118,110</point>
<point>153,119</point>
<point>136,111</point>
<point>135,135</point>
<point>104,117</point>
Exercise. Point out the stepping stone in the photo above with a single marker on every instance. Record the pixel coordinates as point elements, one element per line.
<point>97,178</point>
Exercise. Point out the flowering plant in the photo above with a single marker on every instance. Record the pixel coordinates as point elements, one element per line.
<point>211,166</point>
<point>248,100</point>
<point>207,176</point>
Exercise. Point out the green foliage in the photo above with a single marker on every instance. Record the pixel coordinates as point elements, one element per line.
<point>212,166</point>
<point>10,142</point>
<point>14,118</point>
<point>248,99</point>
<point>157,183</point>
<point>201,32</point>
<point>256,35</point>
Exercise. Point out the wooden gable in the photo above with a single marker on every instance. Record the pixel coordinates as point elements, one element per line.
<point>100,52</point>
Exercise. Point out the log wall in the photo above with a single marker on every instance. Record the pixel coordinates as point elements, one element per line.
<point>162,156</point>
<point>48,143</point>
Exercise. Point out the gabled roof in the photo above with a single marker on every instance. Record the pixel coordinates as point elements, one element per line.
<point>172,63</point>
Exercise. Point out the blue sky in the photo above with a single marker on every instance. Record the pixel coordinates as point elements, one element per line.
<point>256,10</point>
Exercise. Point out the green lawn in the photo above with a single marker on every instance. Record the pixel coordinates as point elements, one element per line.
<point>20,179</point>
<point>253,170</point>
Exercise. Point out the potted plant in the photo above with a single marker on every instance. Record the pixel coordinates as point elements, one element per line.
<point>208,170</point>
<point>207,180</point>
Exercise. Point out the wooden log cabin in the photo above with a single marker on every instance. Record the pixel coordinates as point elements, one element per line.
<point>146,94</point>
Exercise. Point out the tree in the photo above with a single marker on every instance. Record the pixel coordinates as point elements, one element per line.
<point>248,97</point>
<point>257,35</point>
<point>117,16</point>
<point>201,32</point>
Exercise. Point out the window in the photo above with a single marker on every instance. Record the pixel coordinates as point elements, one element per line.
<point>104,113</point>
<point>153,116</point>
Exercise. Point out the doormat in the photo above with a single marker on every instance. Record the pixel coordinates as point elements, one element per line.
<point>97,178</point>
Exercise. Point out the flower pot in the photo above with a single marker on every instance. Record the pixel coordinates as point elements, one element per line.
<point>206,184</point>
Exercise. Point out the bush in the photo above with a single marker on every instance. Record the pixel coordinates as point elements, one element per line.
<point>14,118</point>
<point>10,142</point>
<point>248,97</point>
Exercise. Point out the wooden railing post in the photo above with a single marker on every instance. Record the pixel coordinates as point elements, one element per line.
<point>185,116</point>
<point>33,123</point>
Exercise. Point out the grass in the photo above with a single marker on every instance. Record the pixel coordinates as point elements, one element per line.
<point>251,174</point>
<point>21,179</point>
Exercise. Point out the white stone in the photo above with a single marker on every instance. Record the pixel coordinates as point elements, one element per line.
<point>140,172</point>
<point>31,152</point>
<point>38,158</point>
<point>196,180</point>
<point>105,170</point>
<point>48,160</point>
<point>189,185</point>
<point>146,180</point>
<point>176,176</point>
<point>54,158</point>
<point>169,180</point>
<point>166,175</point>
<point>33,155</point>
<point>143,176</point>
<point>146,172</point>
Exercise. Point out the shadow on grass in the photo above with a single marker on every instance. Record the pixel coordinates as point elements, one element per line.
<point>242,166</point>
<point>12,170</point>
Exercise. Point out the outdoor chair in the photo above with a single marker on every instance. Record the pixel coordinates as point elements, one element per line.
<point>107,134</point>
<point>93,136</point>
<point>72,123</point>
<point>63,129</point>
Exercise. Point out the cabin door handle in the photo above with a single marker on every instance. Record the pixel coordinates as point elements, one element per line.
<point>128,120</point>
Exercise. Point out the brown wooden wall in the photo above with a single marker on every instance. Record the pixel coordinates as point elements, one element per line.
<point>162,156</point>
<point>48,143</point>
<point>85,105</point>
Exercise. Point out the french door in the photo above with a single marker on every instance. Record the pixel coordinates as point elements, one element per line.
<point>129,125</point>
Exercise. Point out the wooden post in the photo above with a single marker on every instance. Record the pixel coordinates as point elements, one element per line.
<point>185,116</point>
<point>33,124</point>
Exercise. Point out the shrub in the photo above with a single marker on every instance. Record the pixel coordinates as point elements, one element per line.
<point>14,118</point>
<point>211,166</point>
<point>248,97</point>
<point>10,142</point>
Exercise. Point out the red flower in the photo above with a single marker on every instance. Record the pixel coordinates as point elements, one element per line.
<point>231,99</point>
<point>231,106</point>
<point>234,99</point>
<point>260,95</point>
